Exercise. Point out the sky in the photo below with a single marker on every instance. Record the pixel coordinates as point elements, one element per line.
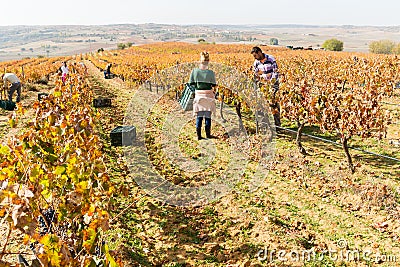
<point>184,12</point>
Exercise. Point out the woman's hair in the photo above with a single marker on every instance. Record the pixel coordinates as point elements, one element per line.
<point>204,57</point>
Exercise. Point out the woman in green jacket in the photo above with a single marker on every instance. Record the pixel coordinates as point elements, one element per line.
<point>204,101</point>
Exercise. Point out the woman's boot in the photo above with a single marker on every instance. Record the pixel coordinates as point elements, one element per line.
<point>208,132</point>
<point>198,131</point>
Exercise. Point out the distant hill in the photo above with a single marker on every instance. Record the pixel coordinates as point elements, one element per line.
<point>32,41</point>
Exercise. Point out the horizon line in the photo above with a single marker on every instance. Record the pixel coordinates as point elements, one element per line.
<point>203,24</point>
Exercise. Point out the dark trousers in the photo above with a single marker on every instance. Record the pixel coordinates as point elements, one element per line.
<point>199,122</point>
<point>275,105</point>
<point>207,117</point>
<point>108,75</point>
<point>15,87</point>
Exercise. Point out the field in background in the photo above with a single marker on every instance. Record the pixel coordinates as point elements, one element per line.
<point>18,42</point>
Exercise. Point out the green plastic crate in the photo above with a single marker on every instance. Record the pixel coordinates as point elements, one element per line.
<point>186,100</point>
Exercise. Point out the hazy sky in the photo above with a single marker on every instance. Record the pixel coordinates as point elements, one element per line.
<point>310,12</point>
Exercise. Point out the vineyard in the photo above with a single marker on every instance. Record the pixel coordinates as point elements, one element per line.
<point>325,182</point>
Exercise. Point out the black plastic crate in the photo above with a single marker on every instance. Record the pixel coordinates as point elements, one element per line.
<point>40,96</point>
<point>123,135</point>
<point>7,105</point>
<point>101,102</point>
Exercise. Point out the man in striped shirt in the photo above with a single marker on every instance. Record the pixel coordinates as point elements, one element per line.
<point>266,68</point>
<point>11,80</point>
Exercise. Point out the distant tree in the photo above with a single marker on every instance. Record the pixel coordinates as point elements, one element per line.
<point>382,47</point>
<point>273,41</point>
<point>129,44</point>
<point>100,50</point>
<point>333,45</point>
<point>121,46</point>
<point>23,49</point>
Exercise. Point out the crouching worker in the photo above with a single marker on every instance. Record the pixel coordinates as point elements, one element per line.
<point>107,72</point>
<point>11,81</point>
<point>203,80</point>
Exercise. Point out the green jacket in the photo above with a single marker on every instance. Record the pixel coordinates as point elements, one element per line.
<point>202,79</point>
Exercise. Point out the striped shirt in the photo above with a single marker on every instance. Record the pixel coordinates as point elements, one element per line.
<point>266,68</point>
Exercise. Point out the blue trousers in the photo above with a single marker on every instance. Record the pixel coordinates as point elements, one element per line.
<point>199,119</point>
